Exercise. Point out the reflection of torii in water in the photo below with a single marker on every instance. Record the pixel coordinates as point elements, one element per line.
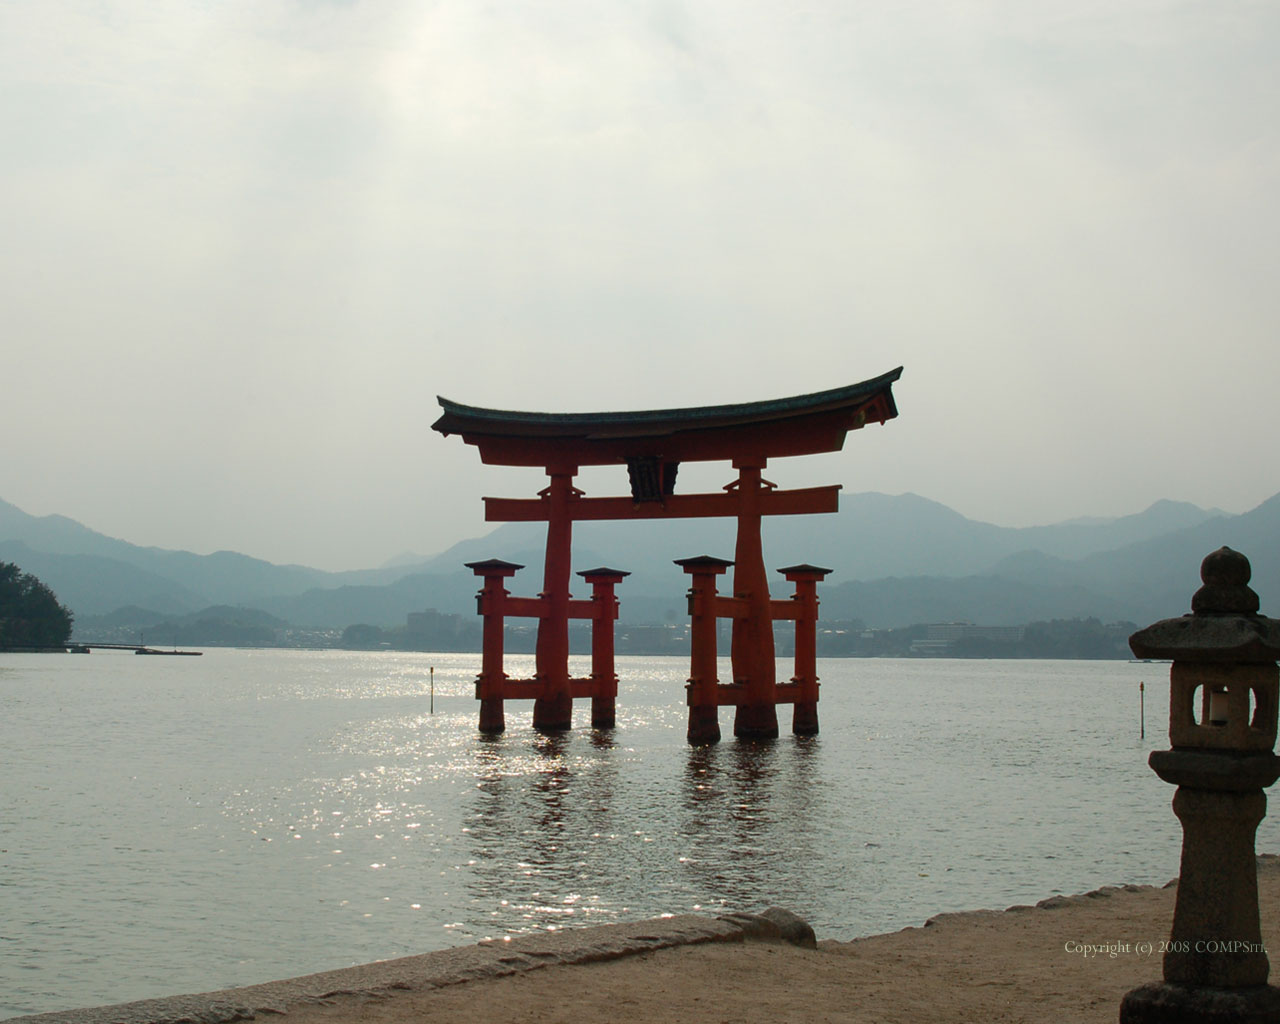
<point>652,444</point>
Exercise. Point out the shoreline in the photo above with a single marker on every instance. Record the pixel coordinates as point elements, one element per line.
<point>1068,958</point>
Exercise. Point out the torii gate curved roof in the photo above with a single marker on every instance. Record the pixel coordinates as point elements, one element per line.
<point>800,425</point>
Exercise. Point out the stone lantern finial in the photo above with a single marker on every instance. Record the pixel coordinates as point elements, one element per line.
<point>1226,589</point>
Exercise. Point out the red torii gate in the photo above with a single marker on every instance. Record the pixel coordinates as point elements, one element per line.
<point>652,444</point>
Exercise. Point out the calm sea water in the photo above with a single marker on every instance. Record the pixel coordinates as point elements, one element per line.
<point>186,824</point>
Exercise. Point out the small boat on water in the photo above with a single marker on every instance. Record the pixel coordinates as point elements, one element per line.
<point>152,650</point>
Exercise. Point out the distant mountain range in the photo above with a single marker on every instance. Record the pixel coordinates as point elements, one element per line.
<point>897,560</point>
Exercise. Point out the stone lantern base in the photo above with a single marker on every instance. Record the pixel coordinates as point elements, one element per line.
<point>1164,1003</point>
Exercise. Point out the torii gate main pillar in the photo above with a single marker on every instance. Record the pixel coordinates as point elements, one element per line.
<point>752,650</point>
<point>553,711</point>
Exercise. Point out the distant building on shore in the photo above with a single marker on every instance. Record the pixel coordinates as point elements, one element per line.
<point>939,636</point>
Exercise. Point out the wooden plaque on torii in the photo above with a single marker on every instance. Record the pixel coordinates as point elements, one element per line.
<point>651,445</point>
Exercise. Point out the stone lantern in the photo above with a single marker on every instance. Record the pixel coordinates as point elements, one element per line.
<point>1223,694</point>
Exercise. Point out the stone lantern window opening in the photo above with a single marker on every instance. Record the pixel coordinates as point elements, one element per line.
<point>1218,705</point>
<point>1215,708</point>
<point>1223,707</point>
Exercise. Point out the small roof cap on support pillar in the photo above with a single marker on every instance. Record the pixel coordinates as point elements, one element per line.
<point>493,567</point>
<point>704,563</point>
<point>805,571</point>
<point>603,574</point>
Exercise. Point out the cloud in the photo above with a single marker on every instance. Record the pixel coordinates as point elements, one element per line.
<point>265,236</point>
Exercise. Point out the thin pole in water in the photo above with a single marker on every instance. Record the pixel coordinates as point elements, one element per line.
<point>433,689</point>
<point>1142,709</point>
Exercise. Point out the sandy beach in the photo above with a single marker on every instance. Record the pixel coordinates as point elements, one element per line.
<point>1068,959</point>
<point>1022,964</point>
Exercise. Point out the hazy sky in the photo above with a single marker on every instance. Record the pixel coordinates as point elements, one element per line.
<point>247,243</point>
